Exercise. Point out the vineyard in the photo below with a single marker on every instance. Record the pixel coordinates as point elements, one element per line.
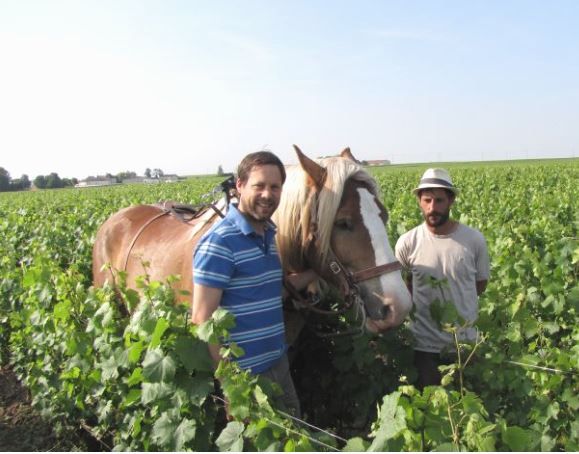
<point>146,382</point>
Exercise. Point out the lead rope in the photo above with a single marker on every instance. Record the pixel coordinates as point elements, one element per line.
<point>360,312</point>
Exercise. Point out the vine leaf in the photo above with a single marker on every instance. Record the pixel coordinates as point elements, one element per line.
<point>110,369</point>
<point>169,430</point>
<point>184,433</point>
<point>193,354</point>
<point>231,438</point>
<point>356,444</point>
<point>517,438</point>
<point>155,391</point>
<point>158,367</point>
<point>160,328</point>
<point>391,421</point>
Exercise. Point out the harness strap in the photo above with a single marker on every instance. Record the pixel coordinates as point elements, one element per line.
<point>369,273</point>
<point>138,234</point>
<point>217,210</point>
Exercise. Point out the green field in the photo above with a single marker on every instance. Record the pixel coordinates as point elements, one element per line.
<point>145,383</point>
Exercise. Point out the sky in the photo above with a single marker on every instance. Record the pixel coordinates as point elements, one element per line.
<point>186,86</point>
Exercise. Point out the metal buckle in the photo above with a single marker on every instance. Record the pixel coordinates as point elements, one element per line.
<point>335,268</point>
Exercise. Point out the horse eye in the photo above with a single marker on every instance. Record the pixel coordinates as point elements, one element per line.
<point>344,224</point>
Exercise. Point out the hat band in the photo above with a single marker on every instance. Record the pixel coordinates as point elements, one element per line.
<point>436,181</point>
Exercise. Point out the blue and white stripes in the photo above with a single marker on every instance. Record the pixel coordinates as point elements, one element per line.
<point>232,257</point>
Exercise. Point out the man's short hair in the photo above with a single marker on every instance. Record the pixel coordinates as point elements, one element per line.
<point>257,159</point>
<point>451,194</point>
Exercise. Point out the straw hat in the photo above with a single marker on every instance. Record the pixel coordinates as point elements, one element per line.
<point>436,178</point>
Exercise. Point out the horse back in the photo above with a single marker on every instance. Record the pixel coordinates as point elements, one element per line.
<point>147,239</point>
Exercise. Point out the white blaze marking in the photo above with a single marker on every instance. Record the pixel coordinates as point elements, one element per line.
<point>375,226</point>
<point>394,290</point>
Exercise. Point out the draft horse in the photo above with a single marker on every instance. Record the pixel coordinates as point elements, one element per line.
<point>330,219</point>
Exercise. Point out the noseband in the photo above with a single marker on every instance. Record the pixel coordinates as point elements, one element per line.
<point>351,280</point>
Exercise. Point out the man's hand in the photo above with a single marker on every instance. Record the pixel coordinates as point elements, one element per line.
<point>480,287</point>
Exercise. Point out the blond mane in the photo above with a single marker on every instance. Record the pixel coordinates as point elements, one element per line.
<point>297,215</point>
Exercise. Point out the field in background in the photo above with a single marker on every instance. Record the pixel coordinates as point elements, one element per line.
<point>83,363</point>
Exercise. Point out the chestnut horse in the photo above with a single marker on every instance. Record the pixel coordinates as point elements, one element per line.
<point>330,219</point>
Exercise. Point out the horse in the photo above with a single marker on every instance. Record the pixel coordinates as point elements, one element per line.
<point>330,219</point>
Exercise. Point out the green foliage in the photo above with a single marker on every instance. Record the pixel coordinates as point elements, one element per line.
<point>147,382</point>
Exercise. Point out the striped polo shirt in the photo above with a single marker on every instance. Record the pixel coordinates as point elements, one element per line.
<point>233,257</point>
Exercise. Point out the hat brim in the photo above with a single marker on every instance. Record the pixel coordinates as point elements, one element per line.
<point>421,187</point>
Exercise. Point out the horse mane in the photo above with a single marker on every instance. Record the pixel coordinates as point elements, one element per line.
<point>304,211</point>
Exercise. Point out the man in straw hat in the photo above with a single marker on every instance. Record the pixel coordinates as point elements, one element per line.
<point>447,264</point>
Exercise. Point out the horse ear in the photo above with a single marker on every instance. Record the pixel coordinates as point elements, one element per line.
<point>316,172</point>
<point>346,153</point>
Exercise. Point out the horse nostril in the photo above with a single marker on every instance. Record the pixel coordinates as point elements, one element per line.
<point>384,310</point>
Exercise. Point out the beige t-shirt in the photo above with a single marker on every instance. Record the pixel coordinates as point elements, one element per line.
<point>460,257</point>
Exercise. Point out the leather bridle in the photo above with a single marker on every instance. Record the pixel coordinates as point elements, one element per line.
<point>348,283</point>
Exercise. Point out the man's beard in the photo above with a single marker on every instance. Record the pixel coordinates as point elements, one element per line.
<point>442,219</point>
<point>256,211</point>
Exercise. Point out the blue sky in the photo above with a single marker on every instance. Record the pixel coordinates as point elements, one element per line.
<point>89,87</point>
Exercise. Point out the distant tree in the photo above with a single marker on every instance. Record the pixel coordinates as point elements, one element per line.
<point>74,181</point>
<point>15,185</point>
<point>20,184</point>
<point>125,175</point>
<point>53,181</point>
<point>4,179</point>
<point>219,170</point>
<point>40,182</point>
<point>148,172</point>
<point>25,182</point>
<point>157,173</point>
<point>68,182</point>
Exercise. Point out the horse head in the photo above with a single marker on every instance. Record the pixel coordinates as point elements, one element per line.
<point>330,218</point>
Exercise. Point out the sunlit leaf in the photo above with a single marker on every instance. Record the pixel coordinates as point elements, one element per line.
<point>158,367</point>
<point>230,438</point>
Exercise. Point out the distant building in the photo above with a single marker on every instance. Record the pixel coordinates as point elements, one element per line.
<point>377,162</point>
<point>169,178</point>
<point>161,179</point>
<point>93,183</point>
<point>135,180</point>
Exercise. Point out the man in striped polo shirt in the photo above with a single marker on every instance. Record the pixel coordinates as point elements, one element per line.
<point>236,266</point>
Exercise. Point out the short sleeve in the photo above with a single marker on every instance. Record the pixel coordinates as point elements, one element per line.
<point>482,260</point>
<point>401,251</point>
<point>213,263</point>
